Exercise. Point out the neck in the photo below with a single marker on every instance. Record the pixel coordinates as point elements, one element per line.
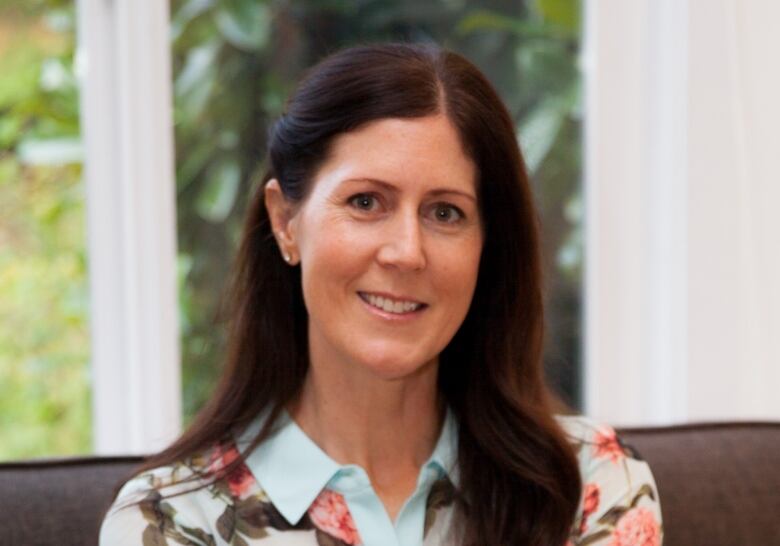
<point>389,427</point>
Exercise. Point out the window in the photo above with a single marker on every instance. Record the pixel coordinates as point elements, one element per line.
<point>234,62</point>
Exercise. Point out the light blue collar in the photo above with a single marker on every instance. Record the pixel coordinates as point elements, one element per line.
<point>293,470</point>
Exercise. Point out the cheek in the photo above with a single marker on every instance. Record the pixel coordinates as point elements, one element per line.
<point>330,259</point>
<point>455,278</point>
<point>457,268</point>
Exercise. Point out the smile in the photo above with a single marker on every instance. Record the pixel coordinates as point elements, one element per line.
<point>388,305</point>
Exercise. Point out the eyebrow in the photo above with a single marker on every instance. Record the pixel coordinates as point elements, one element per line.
<point>389,186</point>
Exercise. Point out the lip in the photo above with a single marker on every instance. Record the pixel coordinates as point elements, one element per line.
<point>393,317</point>
<point>394,297</point>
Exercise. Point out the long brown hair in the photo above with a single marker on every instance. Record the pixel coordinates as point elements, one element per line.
<point>519,480</point>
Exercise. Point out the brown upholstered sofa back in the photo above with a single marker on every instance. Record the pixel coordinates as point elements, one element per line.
<point>719,483</point>
<point>719,486</point>
<point>58,501</point>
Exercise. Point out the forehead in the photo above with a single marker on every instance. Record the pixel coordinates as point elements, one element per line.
<point>420,153</point>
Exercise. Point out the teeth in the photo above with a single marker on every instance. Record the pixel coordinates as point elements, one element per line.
<point>391,306</point>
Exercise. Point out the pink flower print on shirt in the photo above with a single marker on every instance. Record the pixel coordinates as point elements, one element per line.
<point>330,513</point>
<point>607,445</point>
<point>637,527</point>
<point>591,498</point>
<point>590,503</point>
<point>240,481</point>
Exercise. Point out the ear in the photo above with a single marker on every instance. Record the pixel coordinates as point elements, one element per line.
<point>281,213</point>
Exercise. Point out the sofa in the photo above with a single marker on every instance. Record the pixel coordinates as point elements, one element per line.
<point>719,485</point>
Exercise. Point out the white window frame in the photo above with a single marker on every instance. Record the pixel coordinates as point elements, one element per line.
<point>124,65</point>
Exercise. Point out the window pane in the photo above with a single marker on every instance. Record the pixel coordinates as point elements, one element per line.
<point>235,62</point>
<point>44,338</point>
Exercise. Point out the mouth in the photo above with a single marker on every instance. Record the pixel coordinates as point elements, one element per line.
<point>392,305</point>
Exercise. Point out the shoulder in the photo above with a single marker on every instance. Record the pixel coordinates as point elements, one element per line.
<point>619,503</point>
<point>184,502</point>
<point>595,442</point>
<point>581,428</point>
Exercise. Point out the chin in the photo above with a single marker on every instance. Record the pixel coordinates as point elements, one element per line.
<point>394,366</point>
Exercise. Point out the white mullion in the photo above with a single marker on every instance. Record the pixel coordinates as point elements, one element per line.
<point>126,111</point>
<point>636,216</point>
<point>665,222</point>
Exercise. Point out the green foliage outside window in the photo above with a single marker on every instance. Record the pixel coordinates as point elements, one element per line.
<point>44,337</point>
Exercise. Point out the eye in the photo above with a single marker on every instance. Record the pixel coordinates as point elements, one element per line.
<point>363,201</point>
<point>448,214</point>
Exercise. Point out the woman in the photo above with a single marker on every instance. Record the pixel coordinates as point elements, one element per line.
<point>383,383</point>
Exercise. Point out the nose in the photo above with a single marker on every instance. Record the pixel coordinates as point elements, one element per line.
<point>402,245</point>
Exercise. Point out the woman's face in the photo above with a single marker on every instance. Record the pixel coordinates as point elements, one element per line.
<point>389,241</point>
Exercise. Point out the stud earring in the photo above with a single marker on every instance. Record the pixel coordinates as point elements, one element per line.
<point>287,257</point>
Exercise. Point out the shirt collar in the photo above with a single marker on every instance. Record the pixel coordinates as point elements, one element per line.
<point>445,453</point>
<point>293,470</point>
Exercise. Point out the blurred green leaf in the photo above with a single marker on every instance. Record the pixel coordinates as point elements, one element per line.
<point>193,163</point>
<point>53,151</point>
<point>569,256</point>
<point>186,14</point>
<point>183,267</point>
<point>562,13</point>
<point>55,75</point>
<point>486,21</point>
<point>194,84</point>
<point>244,23</point>
<point>198,68</point>
<point>10,127</point>
<point>538,131</point>
<point>219,195</point>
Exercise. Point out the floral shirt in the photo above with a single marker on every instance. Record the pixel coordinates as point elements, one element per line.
<point>290,493</point>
